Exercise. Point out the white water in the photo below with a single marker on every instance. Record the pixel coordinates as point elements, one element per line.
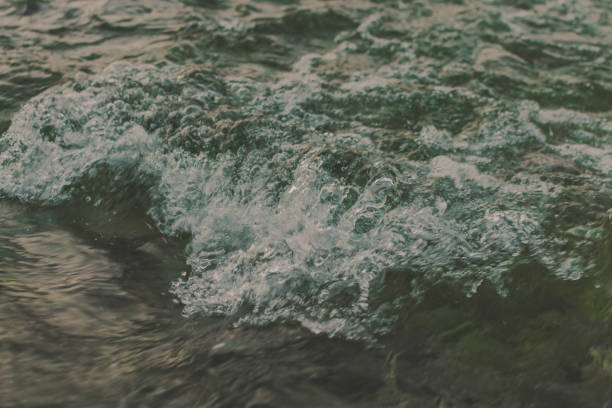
<point>275,234</point>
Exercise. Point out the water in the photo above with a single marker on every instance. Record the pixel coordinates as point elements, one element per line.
<point>426,183</point>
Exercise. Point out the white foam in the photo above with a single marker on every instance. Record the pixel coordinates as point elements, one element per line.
<point>271,227</point>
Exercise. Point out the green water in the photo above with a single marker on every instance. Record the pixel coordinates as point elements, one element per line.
<point>305,203</point>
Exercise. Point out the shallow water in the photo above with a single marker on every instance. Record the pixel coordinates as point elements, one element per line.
<point>198,187</point>
<point>88,320</point>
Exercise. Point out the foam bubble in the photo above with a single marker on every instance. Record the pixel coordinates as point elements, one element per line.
<point>287,222</point>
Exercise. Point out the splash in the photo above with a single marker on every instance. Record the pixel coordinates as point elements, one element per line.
<point>292,214</point>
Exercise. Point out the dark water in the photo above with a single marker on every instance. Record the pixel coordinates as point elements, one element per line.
<point>305,203</point>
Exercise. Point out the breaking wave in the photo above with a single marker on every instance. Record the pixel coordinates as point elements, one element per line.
<point>305,201</point>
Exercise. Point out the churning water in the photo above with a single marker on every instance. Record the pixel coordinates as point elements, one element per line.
<point>295,222</point>
<point>326,165</point>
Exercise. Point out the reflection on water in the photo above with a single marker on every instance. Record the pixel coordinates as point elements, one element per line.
<point>86,322</point>
<point>82,328</point>
<point>72,331</point>
<point>432,179</point>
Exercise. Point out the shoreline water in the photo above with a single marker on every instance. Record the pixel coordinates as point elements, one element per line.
<point>86,326</point>
<point>305,203</point>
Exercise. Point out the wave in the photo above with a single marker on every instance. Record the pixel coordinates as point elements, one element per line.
<point>330,205</point>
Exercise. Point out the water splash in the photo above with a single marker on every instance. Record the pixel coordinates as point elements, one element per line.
<point>290,216</point>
